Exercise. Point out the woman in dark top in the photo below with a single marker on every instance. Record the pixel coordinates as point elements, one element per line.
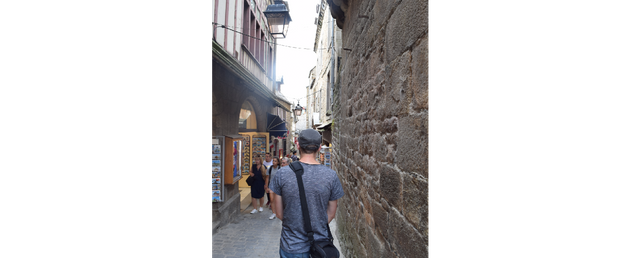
<point>258,172</point>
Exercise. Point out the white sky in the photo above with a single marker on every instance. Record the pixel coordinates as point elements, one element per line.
<point>294,64</point>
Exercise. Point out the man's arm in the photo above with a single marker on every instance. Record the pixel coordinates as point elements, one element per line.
<point>276,203</point>
<point>331,210</point>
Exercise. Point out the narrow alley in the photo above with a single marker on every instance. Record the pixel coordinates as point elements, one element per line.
<point>338,84</point>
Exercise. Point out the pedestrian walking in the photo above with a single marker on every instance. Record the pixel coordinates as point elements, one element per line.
<point>322,190</point>
<point>285,162</point>
<point>293,156</point>
<point>271,172</point>
<point>268,162</point>
<point>259,173</point>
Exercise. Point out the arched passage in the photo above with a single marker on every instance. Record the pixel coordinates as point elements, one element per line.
<point>247,119</point>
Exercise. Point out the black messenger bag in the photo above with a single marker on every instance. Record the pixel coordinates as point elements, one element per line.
<point>319,249</point>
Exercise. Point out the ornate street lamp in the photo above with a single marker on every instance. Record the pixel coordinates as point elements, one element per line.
<point>298,109</point>
<point>278,18</point>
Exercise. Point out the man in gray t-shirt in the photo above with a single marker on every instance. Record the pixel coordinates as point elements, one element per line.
<point>322,188</point>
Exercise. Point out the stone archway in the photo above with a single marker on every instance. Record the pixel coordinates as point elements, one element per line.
<point>260,113</point>
<point>247,117</point>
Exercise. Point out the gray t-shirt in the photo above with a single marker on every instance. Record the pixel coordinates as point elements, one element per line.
<point>272,171</point>
<point>321,185</point>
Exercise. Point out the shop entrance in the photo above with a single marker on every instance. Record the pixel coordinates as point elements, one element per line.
<point>255,144</point>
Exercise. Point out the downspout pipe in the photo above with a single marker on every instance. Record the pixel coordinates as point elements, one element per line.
<point>333,67</point>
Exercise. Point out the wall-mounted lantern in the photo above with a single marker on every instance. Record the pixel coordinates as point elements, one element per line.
<point>278,18</point>
<point>297,110</point>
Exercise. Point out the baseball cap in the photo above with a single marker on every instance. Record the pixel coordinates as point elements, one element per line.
<point>309,137</point>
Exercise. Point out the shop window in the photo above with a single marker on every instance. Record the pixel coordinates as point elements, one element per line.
<point>247,117</point>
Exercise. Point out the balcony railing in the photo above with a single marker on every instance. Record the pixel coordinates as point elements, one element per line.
<point>247,60</point>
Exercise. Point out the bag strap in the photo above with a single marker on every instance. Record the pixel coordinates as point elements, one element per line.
<point>299,170</point>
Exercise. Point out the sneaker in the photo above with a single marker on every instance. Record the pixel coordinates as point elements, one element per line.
<point>254,211</point>
<point>260,209</point>
<point>273,216</point>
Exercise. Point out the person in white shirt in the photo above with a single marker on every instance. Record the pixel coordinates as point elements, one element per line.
<point>268,162</point>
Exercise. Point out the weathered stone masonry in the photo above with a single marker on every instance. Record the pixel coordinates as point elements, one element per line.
<point>380,130</point>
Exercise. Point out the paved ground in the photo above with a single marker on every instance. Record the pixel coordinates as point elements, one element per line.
<point>252,235</point>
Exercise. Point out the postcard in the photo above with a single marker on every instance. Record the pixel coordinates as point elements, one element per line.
<point>216,195</point>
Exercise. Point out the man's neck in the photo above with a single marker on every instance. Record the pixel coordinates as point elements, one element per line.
<point>309,159</point>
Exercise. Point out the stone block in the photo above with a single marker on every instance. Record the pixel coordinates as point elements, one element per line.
<point>375,187</point>
<point>391,153</point>
<point>375,59</point>
<point>397,95</point>
<point>390,125</point>
<point>343,138</point>
<point>361,229</point>
<point>370,165</point>
<point>405,239</point>
<point>412,153</point>
<point>366,146</point>
<point>392,139</point>
<point>357,159</point>
<point>379,147</point>
<point>369,127</point>
<point>381,13</point>
<point>371,193</point>
<point>360,144</point>
<point>391,186</point>
<point>420,73</point>
<point>375,125</point>
<point>406,25</point>
<point>380,219</point>
<point>352,143</point>
<point>376,246</point>
<point>415,192</point>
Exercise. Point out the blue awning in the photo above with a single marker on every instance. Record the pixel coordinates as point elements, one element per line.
<point>275,126</point>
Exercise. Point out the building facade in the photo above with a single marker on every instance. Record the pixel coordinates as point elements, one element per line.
<point>380,121</point>
<point>249,112</point>
<point>324,78</point>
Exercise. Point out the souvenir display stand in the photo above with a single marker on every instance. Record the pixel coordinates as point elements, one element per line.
<point>324,156</point>
<point>327,157</point>
<point>218,166</point>
<point>259,145</point>
<point>233,159</point>
<point>254,143</point>
<point>246,154</point>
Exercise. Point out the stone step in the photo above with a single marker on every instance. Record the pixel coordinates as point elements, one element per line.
<point>213,227</point>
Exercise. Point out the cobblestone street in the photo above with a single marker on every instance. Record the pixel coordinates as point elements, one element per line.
<point>252,235</point>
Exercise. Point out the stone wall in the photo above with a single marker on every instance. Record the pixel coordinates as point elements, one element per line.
<point>380,130</point>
